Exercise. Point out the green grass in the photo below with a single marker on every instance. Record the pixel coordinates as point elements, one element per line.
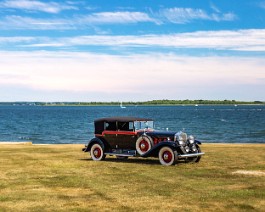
<point>63,178</point>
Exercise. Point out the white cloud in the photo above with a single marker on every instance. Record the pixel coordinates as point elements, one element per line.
<point>16,39</point>
<point>262,4</point>
<point>172,15</point>
<point>152,76</point>
<point>32,5</point>
<point>22,22</point>
<point>185,15</point>
<point>228,17</point>
<point>116,17</point>
<point>214,8</point>
<point>239,40</point>
<point>19,22</point>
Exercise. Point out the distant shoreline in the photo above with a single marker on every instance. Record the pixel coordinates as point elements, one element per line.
<point>138,103</point>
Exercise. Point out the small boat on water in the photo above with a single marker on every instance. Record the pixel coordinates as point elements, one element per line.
<point>121,106</point>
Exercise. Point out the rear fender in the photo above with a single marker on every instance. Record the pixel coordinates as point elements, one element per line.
<point>93,141</point>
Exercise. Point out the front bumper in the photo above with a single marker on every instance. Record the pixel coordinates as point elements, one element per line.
<point>190,155</point>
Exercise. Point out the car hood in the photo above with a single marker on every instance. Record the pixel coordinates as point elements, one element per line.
<point>158,133</point>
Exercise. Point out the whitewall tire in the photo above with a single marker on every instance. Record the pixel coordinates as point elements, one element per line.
<point>144,144</point>
<point>167,156</point>
<point>97,152</point>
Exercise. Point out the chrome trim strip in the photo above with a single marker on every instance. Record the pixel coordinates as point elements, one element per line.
<point>190,155</point>
<point>118,154</point>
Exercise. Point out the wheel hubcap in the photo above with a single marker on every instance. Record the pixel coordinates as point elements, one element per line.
<point>167,156</point>
<point>97,152</point>
<point>144,146</point>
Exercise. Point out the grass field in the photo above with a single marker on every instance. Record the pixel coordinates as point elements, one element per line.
<point>230,177</point>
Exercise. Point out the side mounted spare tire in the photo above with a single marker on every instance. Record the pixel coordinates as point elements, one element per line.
<point>144,144</point>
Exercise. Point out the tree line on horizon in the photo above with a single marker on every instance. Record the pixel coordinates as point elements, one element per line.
<point>175,102</point>
<point>136,103</point>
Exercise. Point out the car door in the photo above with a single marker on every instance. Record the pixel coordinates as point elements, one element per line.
<point>110,134</point>
<point>126,136</point>
<point>120,135</point>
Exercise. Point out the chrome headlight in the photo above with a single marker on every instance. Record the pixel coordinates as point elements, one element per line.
<point>187,149</point>
<point>181,138</point>
<point>181,142</point>
<point>191,139</point>
<point>194,149</point>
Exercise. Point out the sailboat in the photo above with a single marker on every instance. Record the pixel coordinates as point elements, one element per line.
<point>122,106</point>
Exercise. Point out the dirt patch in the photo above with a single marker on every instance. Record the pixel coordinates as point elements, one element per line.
<point>245,172</point>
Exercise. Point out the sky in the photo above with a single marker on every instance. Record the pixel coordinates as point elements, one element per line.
<point>138,50</point>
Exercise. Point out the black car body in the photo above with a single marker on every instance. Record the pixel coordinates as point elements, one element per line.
<point>131,137</point>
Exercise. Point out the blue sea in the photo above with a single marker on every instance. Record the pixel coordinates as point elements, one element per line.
<point>41,125</point>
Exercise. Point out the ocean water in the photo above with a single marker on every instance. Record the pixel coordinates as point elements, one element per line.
<point>229,124</point>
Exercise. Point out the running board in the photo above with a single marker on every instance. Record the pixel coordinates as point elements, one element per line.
<point>119,154</point>
<point>191,155</point>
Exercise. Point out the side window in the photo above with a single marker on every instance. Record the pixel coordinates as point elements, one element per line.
<point>130,126</point>
<point>110,126</point>
<point>123,126</point>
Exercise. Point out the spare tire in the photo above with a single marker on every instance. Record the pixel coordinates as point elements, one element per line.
<point>144,144</point>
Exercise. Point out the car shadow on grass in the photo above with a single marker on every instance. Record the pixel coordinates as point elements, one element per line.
<point>132,160</point>
<point>129,160</point>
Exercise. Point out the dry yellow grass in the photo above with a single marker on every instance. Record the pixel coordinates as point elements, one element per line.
<point>63,178</point>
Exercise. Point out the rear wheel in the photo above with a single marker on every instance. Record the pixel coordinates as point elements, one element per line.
<point>97,152</point>
<point>167,156</point>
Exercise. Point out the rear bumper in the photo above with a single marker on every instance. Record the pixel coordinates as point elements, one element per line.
<point>191,155</point>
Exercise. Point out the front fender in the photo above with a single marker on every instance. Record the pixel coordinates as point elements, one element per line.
<point>91,142</point>
<point>198,142</point>
<point>155,149</point>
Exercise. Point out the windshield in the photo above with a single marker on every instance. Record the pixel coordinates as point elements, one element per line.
<point>140,125</point>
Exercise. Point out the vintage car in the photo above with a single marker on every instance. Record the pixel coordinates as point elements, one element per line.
<point>135,137</point>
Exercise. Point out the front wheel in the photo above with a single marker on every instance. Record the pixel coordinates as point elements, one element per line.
<point>167,156</point>
<point>97,152</point>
